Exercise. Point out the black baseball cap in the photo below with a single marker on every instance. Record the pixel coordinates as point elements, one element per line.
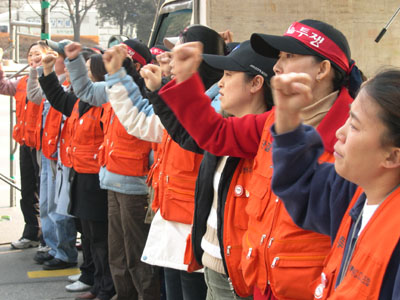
<point>138,51</point>
<point>271,45</point>
<point>243,59</point>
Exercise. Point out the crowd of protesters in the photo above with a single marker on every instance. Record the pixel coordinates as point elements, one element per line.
<point>208,169</point>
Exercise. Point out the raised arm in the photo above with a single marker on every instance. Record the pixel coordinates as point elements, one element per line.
<point>134,112</point>
<point>152,76</point>
<point>7,86</point>
<point>315,196</point>
<point>54,92</point>
<point>34,92</point>
<point>93,93</point>
<point>239,137</point>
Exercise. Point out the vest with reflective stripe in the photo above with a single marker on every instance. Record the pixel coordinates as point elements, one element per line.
<point>371,256</point>
<point>122,153</point>
<point>174,175</point>
<point>276,252</point>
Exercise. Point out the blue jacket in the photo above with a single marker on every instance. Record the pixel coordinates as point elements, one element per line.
<point>316,197</point>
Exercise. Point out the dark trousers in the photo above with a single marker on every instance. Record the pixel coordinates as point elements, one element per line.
<point>97,232</point>
<point>87,267</point>
<point>181,285</point>
<point>127,234</point>
<point>29,171</point>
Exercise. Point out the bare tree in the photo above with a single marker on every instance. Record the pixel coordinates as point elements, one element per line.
<point>38,12</point>
<point>77,12</point>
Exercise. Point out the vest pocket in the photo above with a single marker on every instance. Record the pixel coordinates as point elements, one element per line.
<point>290,275</point>
<point>249,262</point>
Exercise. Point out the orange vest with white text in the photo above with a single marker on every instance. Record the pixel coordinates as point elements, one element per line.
<point>81,139</point>
<point>276,252</point>
<point>371,256</point>
<point>173,178</point>
<point>122,153</point>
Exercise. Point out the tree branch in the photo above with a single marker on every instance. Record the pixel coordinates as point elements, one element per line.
<point>30,5</point>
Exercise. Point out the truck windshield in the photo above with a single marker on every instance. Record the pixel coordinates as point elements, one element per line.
<point>172,24</point>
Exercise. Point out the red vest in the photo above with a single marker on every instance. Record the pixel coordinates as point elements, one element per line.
<point>81,139</point>
<point>371,256</point>
<point>51,133</point>
<point>122,153</point>
<point>276,252</point>
<point>173,177</point>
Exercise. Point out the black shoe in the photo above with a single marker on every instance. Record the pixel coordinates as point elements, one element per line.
<point>57,264</point>
<point>41,257</point>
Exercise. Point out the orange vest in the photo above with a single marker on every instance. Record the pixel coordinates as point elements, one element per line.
<point>277,252</point>
<point>51,133</point>
<point>66,136</point>
<point>371,256</point>
<point>235,224</point>
<point>122,153</point>
<point>173,177</point>
<point>20,106</point>
<point>27,113</point>
<point>81,139</point>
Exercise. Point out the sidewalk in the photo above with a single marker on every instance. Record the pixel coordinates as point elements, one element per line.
<point>20,277</point>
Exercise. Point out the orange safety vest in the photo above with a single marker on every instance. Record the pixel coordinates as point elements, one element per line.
<point>173,177</point>
<point>20,106</point>
<point>236,223</point>
<point>276,251</point>
<point>81,139</point>
<point>122,153</point>
<point>27,113</point>
<point>371,256</point>
<point>51,133</point>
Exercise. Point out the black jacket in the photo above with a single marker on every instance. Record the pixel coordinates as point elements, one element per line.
<point>88,200</point>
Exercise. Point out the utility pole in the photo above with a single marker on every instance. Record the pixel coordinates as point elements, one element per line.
<point>45,20</point>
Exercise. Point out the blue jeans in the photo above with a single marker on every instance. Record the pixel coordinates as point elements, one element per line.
<point>59,231</point>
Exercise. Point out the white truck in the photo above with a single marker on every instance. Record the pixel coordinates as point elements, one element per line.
<point>360,21</point>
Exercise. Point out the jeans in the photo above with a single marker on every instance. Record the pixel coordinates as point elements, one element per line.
<point>181,285</point>
<point>59,231</point>
<point>127,234</point>
<point>218,286</point>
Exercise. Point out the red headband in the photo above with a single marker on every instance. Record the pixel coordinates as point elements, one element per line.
<point>156,51</point>
<point>320,43</point>
<point>136,56</point>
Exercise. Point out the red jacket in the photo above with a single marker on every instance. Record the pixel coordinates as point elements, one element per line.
<point>120,152</point>
<point>173,178</point>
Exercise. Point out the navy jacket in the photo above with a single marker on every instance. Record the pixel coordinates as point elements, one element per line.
<point>316,197</point>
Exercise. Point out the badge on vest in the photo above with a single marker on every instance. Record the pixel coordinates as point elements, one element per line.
<point>319,291</point>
